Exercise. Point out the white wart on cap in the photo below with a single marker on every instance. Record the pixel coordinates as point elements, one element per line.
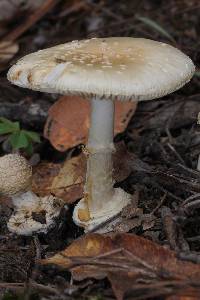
<point>123,67</point>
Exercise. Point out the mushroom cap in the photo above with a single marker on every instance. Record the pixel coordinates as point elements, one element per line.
<point>15,174</point>
<point>123,67</point>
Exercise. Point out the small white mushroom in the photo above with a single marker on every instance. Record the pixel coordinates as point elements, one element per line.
<point>125,68</point>
<point>32,214</point>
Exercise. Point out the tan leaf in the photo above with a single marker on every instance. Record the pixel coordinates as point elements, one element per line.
<point>123,258</point>
<point>90,246</point>
<point>182,298</point>
<point>68,122</point>
<point>122,161</point>
<point>7,51</point>
<point>65,180</point>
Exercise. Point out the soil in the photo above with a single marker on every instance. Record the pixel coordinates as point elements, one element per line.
<point>163,134</point>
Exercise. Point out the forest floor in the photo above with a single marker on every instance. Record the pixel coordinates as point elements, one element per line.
<point>160,149</point>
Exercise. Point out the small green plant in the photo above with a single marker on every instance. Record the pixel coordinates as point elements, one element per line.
<point>18,138</point>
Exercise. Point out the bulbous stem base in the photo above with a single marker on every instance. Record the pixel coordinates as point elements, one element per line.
<point>111,208</point>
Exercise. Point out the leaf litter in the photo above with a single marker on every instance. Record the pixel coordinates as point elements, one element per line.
<point>163,137</point>
<point>128,258</point>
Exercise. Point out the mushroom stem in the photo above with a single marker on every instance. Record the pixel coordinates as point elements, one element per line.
<point>99,181</point>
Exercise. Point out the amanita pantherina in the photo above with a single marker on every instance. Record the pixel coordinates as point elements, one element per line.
<point>32,214</point>
<point>102,69</point>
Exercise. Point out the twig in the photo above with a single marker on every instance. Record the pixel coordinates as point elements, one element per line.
<point>105,10</point>
<point>37,247</point>
<point>191,171</point>
<point>111,264</point>
<point>190,199</point>
<point>159,204</point>
<point>126,253</point>
<point>170,228</point>
<point>103,224</point>
<point>192,205</point>
<point>35,285</point>
<point>193,238</point>
<point>176,153</point>
<point>167,192</point>
<point>73,8</point>
<point>33,275</point>
<point>190,256</point>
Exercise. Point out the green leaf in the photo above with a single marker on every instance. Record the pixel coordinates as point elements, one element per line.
<point>33,136</point>
<point>4,129</point>
<point>6,126</point>
<point>18,140</point>
<point>29,149</point>
<point>155,26</point>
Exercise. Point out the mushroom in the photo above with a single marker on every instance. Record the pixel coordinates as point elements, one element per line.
<point>32,214</point>
<point>103,69</point>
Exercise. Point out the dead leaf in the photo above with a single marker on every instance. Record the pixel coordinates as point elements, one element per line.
<point>182,298</point>
<point>142,264</point>
<point>69,121</point>
<point>64,180</point>
<point>148,221</point>
<point>7,51</point>
<point>123,162</point>
<point>132,210</point>
<point>124,225</point>
<point>90,246</point>
<point>130,217</point>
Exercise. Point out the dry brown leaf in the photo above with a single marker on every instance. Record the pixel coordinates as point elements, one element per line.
<point>128,257</point>
<point>90,246</point>
<point>122,161</point>
<point>69,121</point>
<point>159,259</point>
<point>182,298</point>
<point>7,51</point>
<point>131,216</point>
<point>65,180</point>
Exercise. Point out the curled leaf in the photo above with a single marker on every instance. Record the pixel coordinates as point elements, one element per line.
<point>69,121</point>
<point>64,180</point>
